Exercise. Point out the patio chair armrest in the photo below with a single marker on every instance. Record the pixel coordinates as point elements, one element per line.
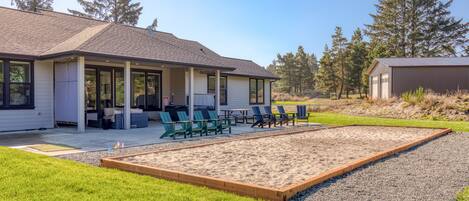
<point>169,122</point>
<point>199,120</point>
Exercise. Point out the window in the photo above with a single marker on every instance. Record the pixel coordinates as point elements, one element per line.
<point>256,91</point>
<point>16,88</point>
<point>119,88</point>
<point>146,90</point>
<point>223,88</point>
<point>153,91</point>
<point>90,89</point>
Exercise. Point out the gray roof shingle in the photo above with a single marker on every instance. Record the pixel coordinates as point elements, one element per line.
<point>47,34</point>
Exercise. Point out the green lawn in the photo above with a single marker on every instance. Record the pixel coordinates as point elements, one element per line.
<point>342,119</point>
<point>27,176</point>
<point>463,195</point>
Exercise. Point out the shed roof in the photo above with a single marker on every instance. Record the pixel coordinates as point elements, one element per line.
<point>421,62</point>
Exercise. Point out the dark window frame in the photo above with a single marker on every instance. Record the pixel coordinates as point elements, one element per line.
<point>145,71</point>
<point>226,87</point>
<point>257,91</point>
<point>6,85</point>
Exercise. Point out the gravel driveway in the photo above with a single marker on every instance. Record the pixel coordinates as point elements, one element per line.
<point>434,171</point>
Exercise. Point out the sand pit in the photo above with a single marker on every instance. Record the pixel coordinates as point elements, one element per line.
<point>280,161</point>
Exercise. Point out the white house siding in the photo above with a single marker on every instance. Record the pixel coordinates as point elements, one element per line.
<point>42,115</point>
<point>238,93</point>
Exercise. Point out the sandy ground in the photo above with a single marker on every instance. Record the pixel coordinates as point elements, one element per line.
<point>282,160</point>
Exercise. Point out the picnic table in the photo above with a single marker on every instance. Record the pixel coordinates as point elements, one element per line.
<point>243,113</point>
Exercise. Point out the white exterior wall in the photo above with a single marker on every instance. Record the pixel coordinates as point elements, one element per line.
<point>238,90</point>
<point>238,93</point>
<point>42,115</point>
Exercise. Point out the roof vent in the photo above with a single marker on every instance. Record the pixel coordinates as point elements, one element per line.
<point>202,50</point>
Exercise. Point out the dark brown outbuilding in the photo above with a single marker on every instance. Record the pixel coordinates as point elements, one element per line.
<point>393,76</point>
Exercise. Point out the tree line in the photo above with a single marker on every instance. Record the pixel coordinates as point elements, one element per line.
<point>117,11</point>
<point>400,28</point>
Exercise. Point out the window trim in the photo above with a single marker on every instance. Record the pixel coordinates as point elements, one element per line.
<point>257,92</point>
<point>6,86</point>
<point>226,86</point>
<point>146,71</point>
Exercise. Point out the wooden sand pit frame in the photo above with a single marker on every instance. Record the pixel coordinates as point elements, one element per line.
<point>257,191</point>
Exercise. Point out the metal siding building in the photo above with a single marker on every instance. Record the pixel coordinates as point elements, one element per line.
<point>393,76</point>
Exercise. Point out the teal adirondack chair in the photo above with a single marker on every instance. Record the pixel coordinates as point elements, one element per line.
<point>194,126</point>
<point>210,126</point>
<point>170,127</point>
<point>222,123</point>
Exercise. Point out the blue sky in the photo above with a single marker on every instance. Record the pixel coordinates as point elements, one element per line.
<point>257,29</point>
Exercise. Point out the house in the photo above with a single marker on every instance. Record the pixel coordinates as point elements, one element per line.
<point>393,76</point>
<point>55,67</point>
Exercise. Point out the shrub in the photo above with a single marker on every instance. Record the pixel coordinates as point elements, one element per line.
<point>414,97</point>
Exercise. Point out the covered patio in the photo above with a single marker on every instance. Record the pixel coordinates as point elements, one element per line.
<point>85,87</point>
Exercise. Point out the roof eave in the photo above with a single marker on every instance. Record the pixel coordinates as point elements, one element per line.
<point>124,58</point>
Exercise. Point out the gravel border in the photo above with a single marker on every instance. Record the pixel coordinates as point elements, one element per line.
<point>436,170</point>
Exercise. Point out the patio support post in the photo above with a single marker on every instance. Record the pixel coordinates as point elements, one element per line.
<point>217,92</point>
<point>127,95</point>
<point>81,94</point>
<point>191,93</point>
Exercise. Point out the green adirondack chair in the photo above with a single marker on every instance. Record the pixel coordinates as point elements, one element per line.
<point>223,124</point>
<point>210,126</point>
<point>170,126</point>
<point>194,126</point>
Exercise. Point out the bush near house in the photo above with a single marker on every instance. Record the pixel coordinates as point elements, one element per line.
<point>27,176</point>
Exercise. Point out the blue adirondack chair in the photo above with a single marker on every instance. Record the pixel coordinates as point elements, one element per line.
<point>260,120</point>
<point>272,116</point>
<point>223,123</point>
<point>170,126</point>
<point>210,126</point>
<point>302,113</point>
<point>194,126</point>
<point>284,116</point>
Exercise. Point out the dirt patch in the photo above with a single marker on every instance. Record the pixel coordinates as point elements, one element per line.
<point>282,160</point>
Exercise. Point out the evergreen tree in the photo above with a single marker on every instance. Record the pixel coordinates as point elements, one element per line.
<point>357,59</point>
<point>33,5</point>
<point>339,58</point>
<point>326,78</point>
<point>413,28</point>
<point>117,11</point>
<point>153,25</point>
<point>305,71</point>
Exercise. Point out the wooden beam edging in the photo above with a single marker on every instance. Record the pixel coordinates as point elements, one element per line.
<point>240,188</point>
<point>252,190</point>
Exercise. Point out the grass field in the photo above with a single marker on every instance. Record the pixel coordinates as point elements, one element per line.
<point>463,195</point>
<point>342,119</point>
<point>27,176</point>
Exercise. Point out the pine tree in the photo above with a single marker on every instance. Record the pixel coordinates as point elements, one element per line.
<point>357,58</point>
<point>33,5</point>
<point>153,25</point>
<point>326,78</point>
<point>117,11</point>
<point>413,28</point>
<point>339,58</point>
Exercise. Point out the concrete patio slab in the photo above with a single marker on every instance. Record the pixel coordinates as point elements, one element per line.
<point>98,139</point>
